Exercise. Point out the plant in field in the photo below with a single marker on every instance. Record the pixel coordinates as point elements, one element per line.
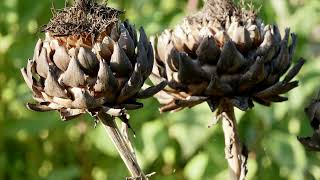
<point>224,55</point>
<point>92,62</point>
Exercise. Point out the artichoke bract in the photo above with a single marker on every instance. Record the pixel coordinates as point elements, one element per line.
<point>224,51</point>
<point>89,61</point>
<point>313,113</point>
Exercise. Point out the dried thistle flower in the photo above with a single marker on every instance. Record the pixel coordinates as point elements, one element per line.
<point>89,61</point>
<point>224,52</point>
<point>227,57</point>
<point>92,62</point>
<point>313,113</point>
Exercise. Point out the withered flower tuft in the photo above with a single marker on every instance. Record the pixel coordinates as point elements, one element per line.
<point>90,61</point>
<point>224,51</point>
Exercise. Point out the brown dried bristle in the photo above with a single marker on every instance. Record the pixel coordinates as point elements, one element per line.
<point>85,18</point>
<point>222,10</point>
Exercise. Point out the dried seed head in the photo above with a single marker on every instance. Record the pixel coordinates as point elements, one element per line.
<point>224,51</point>
<point>89,61</point>
<point>313,113</point>
<point>85,20</point>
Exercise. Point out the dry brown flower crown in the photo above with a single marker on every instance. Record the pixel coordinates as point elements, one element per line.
<point>89,61</point>
<point>224,52</point>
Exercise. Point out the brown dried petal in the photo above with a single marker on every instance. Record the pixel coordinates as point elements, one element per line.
<point>105,81</point>
<point>208,52</point>
<point>143,38</point>
<point>37,49</point>
<point>115,112</point>
<point>312,143</point>
<point>115,34</point>
<point>267,43</point>
<point>179,37</point>
<point>278,88</point>
<point>69,114</point>
<point>190,71</point>
<point>126,42</point>
<point>217,88</point>
<point>52,87</point>
<point>26,78</point>
<point>191,43</point>
<point>120,63</point>
<point>170,107</point>
<point>241,37</point>
<point>84,100</point>
<point>162,45</point>
<point>150,60</point>
<point>172,60</point>
<point>254,34</point>
<point>191,101</point>
<point>242,103</point>
<point>40,107</point>
<point>276,98</point>
<point>313,112</point>
<point>231,60</point>
<point>151,91</point>
<point>209,70</point>
<point>142,59</point>
<point>276,33</point>
<point>132,106</point>
<point>74,76</point>
<point>262,101</point>
<point>102,50</point>
<point>27,73</point>
<point>295,70</point>
<point>281,62</point>
<point>256,73</point>
<point>132,31</point>
<point>133,85</point>
<point>292,47</point>
<point>222,37</point>
<point>88,61</point>
<point>42,63</point>
<point>163,97</point>
<point>61,58</point>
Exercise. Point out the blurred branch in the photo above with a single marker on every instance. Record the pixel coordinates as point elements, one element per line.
<point>235,153</point>
<point>122,147</point>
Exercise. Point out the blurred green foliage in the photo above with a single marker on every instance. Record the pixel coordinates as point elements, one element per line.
<point>176,146</point>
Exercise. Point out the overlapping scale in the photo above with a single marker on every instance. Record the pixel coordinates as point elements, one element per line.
<point>224,55</point>
<point>73,75</point>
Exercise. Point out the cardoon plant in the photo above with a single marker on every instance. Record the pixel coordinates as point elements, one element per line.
<point>226,56</point>
<point>91,62</point>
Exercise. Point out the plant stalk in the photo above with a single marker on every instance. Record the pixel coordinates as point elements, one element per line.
<point>235,153</point>
<point>122,147</point>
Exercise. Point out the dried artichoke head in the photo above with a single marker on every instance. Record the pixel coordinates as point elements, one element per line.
<point>313,113</point>
<point>224,51</point>
<point>89,61</point>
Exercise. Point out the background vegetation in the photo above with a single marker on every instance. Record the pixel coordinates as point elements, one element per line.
<point>176,146</point>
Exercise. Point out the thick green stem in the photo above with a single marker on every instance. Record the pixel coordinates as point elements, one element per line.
<point>122,147</point>
<point>235,155</point>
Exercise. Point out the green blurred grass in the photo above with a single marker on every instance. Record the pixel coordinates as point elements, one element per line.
<point>176,146</point>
